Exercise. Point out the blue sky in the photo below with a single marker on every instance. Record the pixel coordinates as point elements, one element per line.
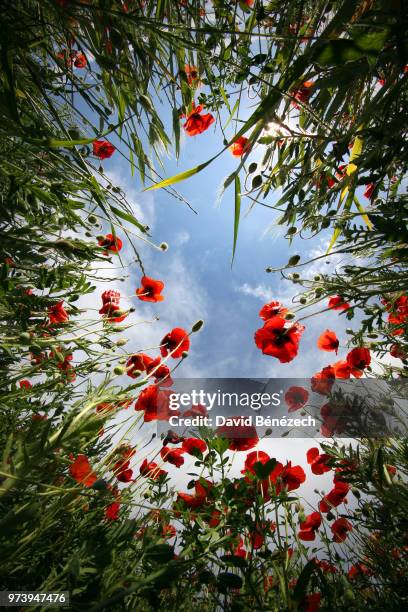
<point>196,269</point>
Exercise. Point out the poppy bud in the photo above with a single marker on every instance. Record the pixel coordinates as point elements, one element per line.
<point>197,326</point>
<point>184,354</point>
<point>356,493</point>
<point>121,342</point>
<point>330,516</point>
<point>268,269</point>
<point>252,167</point>
<point>25,337</point>
<point>92,219</point>
<point>132,309</point>
<point>118,370</point>
<point>317,277</point>
<point>349,330</point>
<point>349,595</point>
<point>294,260</point>
<point>303,300</point>
<point>256,181</point>
<point>291,231</point>
<point>372,335</point>
<point>164,246</point>
<point>295,276</point>
<point>88,234</point>
<point>289,316</point>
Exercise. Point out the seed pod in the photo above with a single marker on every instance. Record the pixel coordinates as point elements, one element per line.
<point>197,326</point>
<point>294,260</point>
<point>256,181</point>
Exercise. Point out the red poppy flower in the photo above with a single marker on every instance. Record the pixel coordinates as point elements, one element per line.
<point>155,403</point>
<point>292,476</point>
<point>335,497</point>
<point>110,307</point>
<point>81,471</point>
<point>103,149</point>
<point>215,518</point>
<point>357,570</point>
<point>138,363</point>
<point>311,603</point>
<point>190,445</point>
<point>279,340</point>
<point>241,438</point>
<point>323,381</point>
<point>202,489</point>
<point>57,313</point>
<point>326,566</point>
<point>397,352</point>
<point>240,146</point>
<point>340,529</point>
<point>249,3</point>
<point>328,341</point>
<point>318,461</point>
<point>296,398</point>
<point>112,511</point>
<point>175,343</point>
<point>80,60</point>
<point>25,384</point>
<point>252,459</point>
<point>151,470</point>
<point>172,455</point>
<point>309,526</point>
<point>256,539</point>
<point>272,309</point>
<point>196,410</point>
<point>358,359</point>
<point>161,372</point>
<point>125,475</point>
<point>111,243</point>
<point>108,407</point>
<point>150,291</point>
<point>341,369</point>
<point>335,417</point>
<point>197,123</point>
<point>168,531</point>
<point>369,190</point>
<point>337,303</point>
<point>302,94</point>
<point>192,75</point>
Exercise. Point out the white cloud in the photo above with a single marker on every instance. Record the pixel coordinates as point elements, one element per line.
<point>259,291</point>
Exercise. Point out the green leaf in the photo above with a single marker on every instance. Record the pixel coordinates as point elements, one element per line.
<point>236,214</point>
<point>54,143</point>
<point>233,560</point>
<point>177,178</point>
<point>160,553</point>
<point>263,470</point>
<point>128,217</point>
<point>302,582</point>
